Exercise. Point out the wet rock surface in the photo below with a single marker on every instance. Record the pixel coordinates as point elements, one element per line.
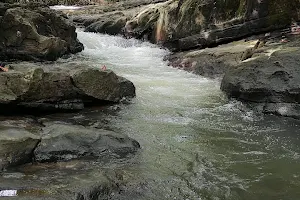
<point>68,87</point>
<point>17,142</point>
<point>35,32</point>
<point>80,184</point>
<point>101,172</point>
<point>62,142</point>
<point>107,26</point>
<point>210,62</point>
<point>54,149</point>
<point>269,80</point>
<point>34,139</point>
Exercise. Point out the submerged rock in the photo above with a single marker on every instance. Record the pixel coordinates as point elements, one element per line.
<point>35,33</point>
<point>17,143</point>
<point>61,142</point>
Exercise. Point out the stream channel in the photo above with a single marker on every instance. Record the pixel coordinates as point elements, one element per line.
<point>195,143</point>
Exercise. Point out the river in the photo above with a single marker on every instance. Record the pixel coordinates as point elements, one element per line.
<point>195,143</point>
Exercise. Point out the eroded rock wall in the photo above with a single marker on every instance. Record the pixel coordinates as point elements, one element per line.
<point>187,24</point>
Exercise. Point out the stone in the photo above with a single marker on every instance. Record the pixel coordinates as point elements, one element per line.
<point>17,143</point>
<point>210,62</point>
<point>107,26</point>
<point>102,85</point>
<point>35,33</point>
<point>68,87</point>
<point>62,142</point>
<point>272,80</point>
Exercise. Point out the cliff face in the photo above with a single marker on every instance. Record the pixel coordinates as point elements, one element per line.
<point>188,24</point>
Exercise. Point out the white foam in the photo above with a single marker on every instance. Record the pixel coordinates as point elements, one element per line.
<point>8,193</point>
<point>62,7</point>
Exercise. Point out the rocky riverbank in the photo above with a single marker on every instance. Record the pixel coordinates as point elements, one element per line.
<point>186,25</point>
<point>268,80</point>
<point>59,157</point>
<point>34,32</point>
<point>263,77</point>
<point>68,156</point>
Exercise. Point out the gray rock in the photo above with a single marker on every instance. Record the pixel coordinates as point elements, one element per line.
<point>274,78</point>
<point>127,88</point>
<point>68,88</point>
<point>210,62</point>
<point>107,26</point>
<point>94,83</point>
<point>16,143</point>
<point>102,85</point>
<point>201,63</point>
<point>61,142</point>
<point>271,80</point>
<point>35,33</point>
<point>283,109</point>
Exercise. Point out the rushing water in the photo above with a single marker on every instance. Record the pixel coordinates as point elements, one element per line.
<point>196,144</point>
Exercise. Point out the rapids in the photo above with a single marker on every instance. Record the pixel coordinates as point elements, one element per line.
<point>195,143</point>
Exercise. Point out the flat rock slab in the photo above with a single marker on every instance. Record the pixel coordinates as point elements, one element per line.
<point>211,62</point>
<point>271,80</point>
<point>61,142</point>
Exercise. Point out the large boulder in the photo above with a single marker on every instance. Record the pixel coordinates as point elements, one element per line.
<point>187,24</point>
<point>61,142</point>
<point>270,81</point>
<point>98,84</point>
<point>35,33</point>
<point>67,87</point>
